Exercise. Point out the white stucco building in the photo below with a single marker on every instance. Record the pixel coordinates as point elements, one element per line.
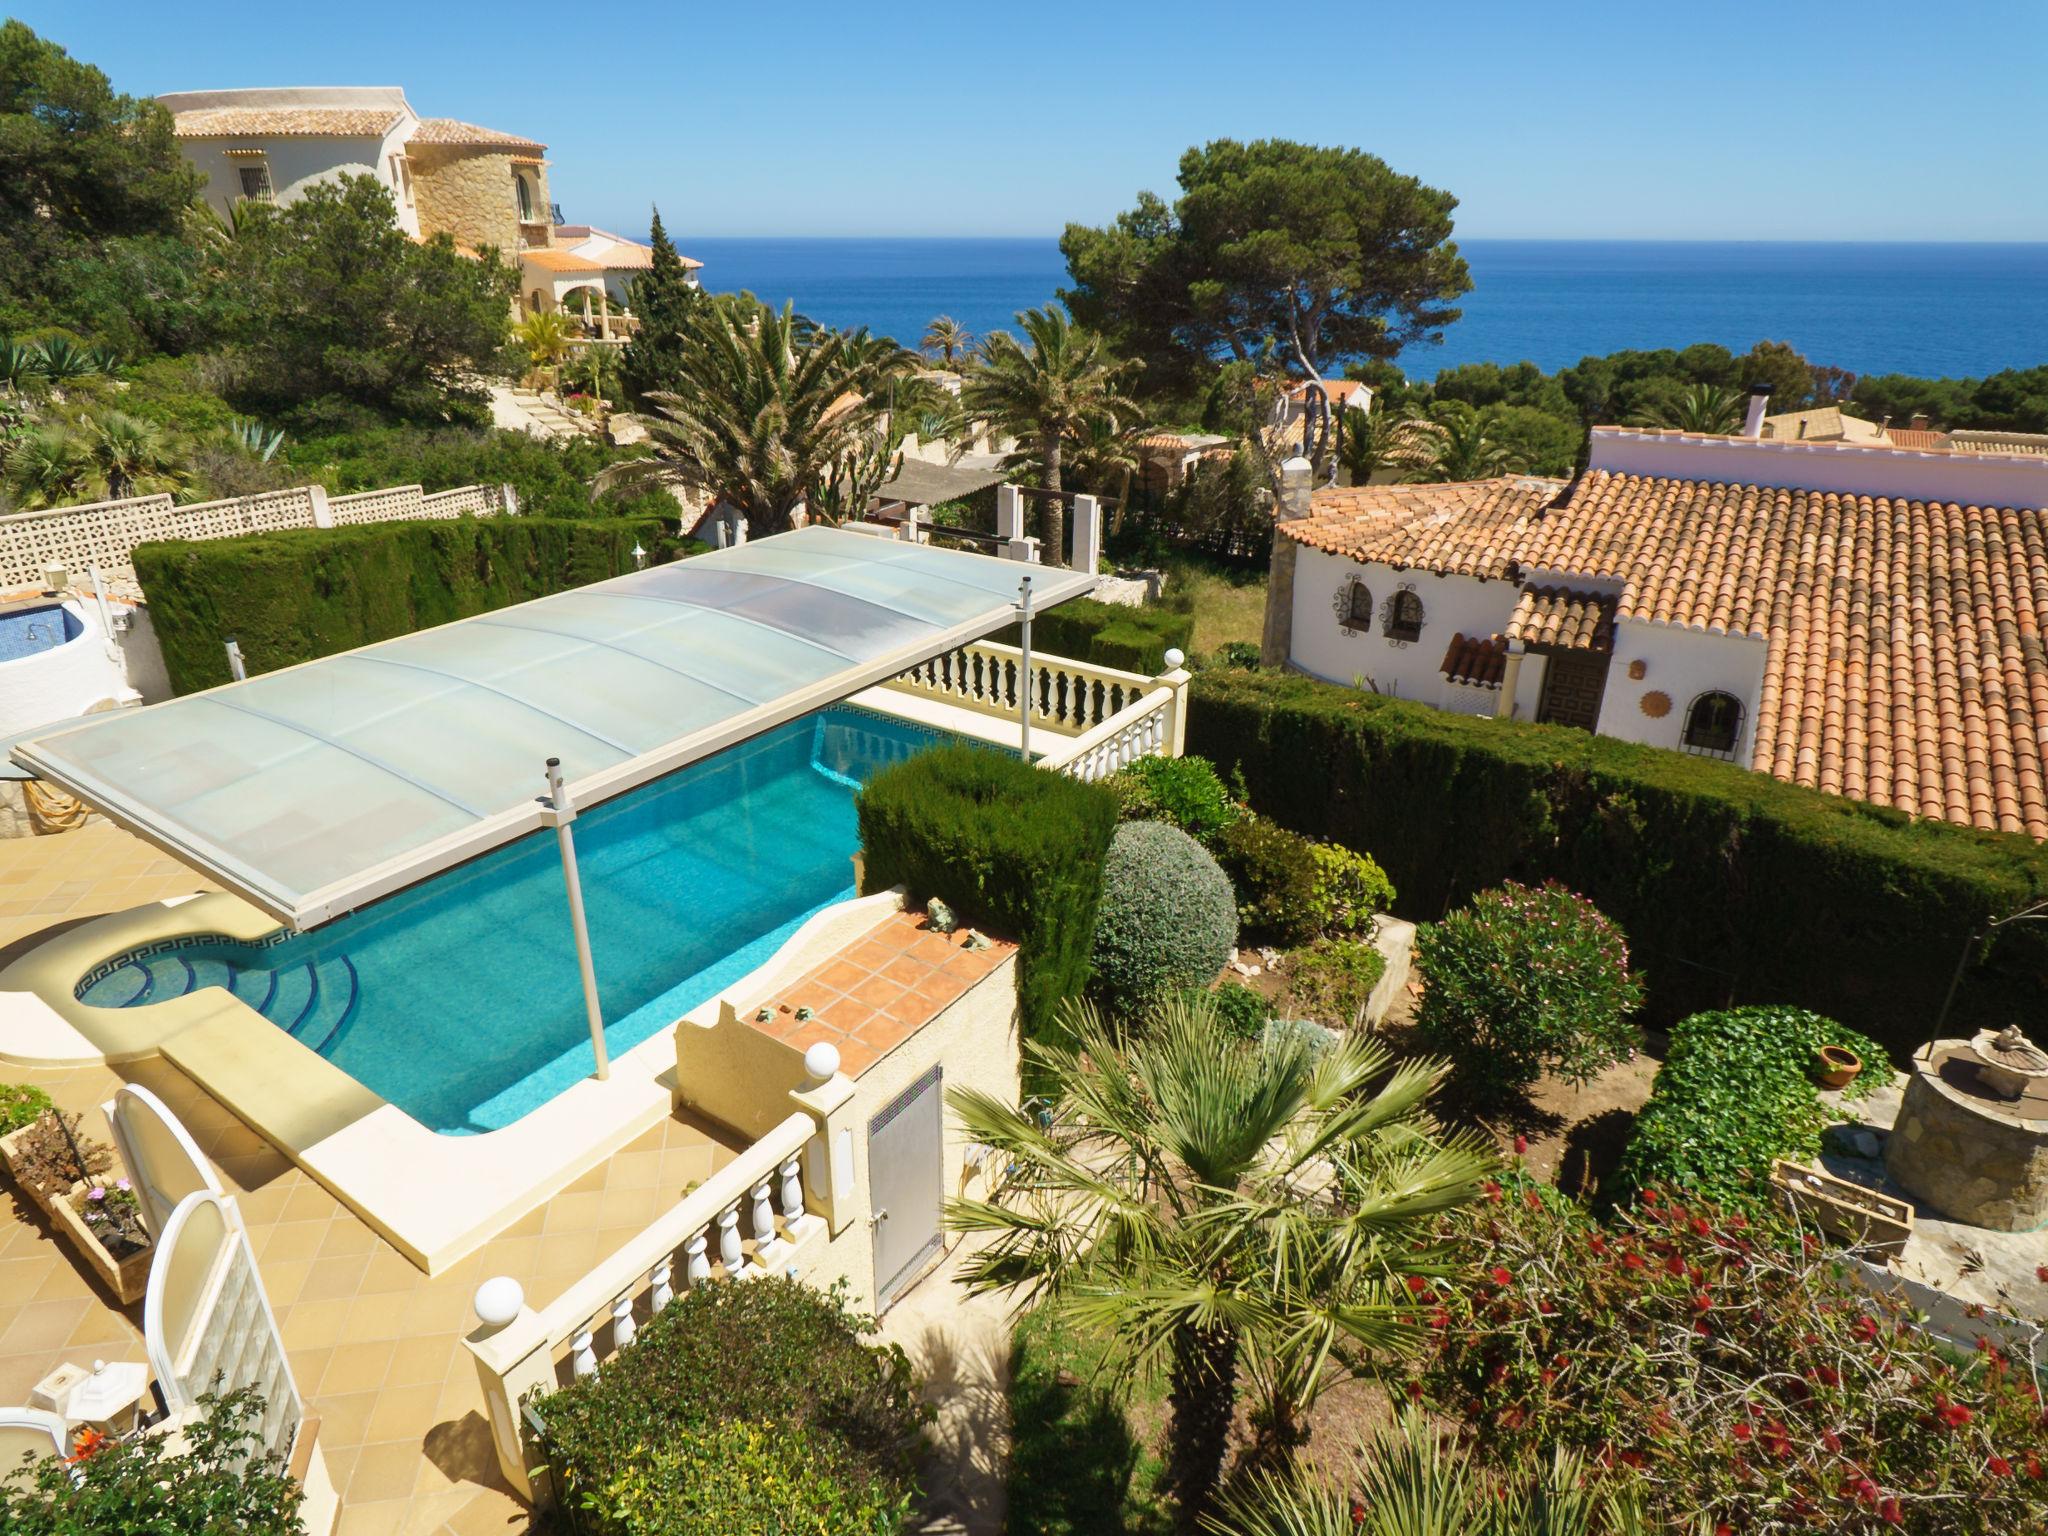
<point>1863,619</point>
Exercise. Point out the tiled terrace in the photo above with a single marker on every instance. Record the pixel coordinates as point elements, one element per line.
<point>70,876</point>
<point>373,1342</point>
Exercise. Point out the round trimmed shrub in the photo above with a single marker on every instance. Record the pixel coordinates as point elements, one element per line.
<point>1167,920</point>
<point>1525,980</point>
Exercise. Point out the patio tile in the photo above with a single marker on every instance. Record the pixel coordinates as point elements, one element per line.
<point>423,1360</point>
<point>345,1418</point>
<point>313,1324</point>
<point>403,1413</point>
<point>385,1517</point>
<point>43,1325</point>
<point>335,1277</point>
<point>289,1241</point>
<point>358,1368</point>
<point>347,1237</point>
<point>386,1471</point>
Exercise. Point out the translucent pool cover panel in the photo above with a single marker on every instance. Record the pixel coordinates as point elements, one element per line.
<point>321,787</point>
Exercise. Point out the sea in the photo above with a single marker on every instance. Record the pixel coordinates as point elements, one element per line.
<point>1928,309</point>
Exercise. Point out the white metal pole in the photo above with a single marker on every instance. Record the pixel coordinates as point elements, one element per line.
<point>99,594</point>
<point>565,812</point>
<point>1025,689</point>
<point>237,668</point>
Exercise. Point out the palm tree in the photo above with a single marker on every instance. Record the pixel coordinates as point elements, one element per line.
<point>1412,1481</point>
<point>546,335</point>
<point>1377,441</point>
<point>768,410</point>
<point>1456,445</point>
<point>1104,455</point>
<point>595,371</point>
<point>131,457</point>
<point>1043,394</point>
<point>1218,1207</point>
<point>1706,408</point>
<point>947,336</point>
<point>47,467</point>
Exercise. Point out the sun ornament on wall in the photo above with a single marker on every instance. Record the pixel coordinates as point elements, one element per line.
<point>1656,704</point>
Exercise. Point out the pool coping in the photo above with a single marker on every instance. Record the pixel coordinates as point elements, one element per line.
<point>435,1198</point>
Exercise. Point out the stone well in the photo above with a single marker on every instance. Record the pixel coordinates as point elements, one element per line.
<point>1971,1155</point>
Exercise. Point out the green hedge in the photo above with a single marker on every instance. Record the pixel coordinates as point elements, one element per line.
<point>1109,634</point>
<point>1732,886</point>
<point>1008,846</point>
<point>292,596</point>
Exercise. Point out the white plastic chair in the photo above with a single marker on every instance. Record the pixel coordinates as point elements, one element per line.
<point>30,1432</point>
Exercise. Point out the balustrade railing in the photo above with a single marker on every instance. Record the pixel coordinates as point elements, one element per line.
<point>1152,726</point>
<point>1067,697</point>
<point>699,1240</point>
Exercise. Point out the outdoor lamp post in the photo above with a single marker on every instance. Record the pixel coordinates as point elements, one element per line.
<point>1024,689</point>
<point>639,557</point>
<point>564,813</point>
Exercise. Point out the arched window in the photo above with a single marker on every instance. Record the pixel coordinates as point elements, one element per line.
<point>1713,725</point>
<point>1404,616</point>
<point>1357,611</point>
<point>525,191</point>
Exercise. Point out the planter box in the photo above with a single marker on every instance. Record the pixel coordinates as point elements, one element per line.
<point>9,1145</point>
<point>1841,1209</point>
<point>127,1278</point>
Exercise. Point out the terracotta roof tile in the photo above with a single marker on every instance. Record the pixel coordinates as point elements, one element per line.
<point>1479,661</point>
<point>448,130</point>
<point>1905,658</point>
<point>1921,438</point>
<point>549,259</point>
<point>1561,619</point>
<point>285,122</point>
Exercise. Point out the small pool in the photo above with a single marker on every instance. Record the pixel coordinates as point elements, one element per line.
<point>29,631</point>
<point>459,1001</point>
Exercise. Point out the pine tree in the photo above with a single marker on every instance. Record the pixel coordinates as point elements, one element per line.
<point>664,303</point>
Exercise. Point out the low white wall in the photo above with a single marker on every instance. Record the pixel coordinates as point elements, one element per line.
<point>1682,664</point>
<point>1451,605</point>
<point>1971,480</point>
<point>62,682</point>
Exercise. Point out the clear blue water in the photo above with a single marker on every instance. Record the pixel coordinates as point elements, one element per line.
<point>459,1000</point>
<point>26,631</point>
<point>1922,309</point>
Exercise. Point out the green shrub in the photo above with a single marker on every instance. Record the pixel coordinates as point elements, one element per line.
<point>1525,980</point>
<point>1008,846</point>
<point>1349,889</point>
<point>292,596</point>
<point>1275,873</point>
<point>1109,634</point>
<point>1167,918</point>
<point>1183,791</point>
<point>1733,887</point>
<point>1241,1010</point>
<point>1236,653</point>
<point>732,1366</point>
<point>1332,979</point>
<point>213,1477</point>
<point>21,1104</point>
<point>1735,1092</point>
<point>745,1477</point>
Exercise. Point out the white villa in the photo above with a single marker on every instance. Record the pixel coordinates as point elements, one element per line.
<point>1864,619</point>
<point>480,186</point>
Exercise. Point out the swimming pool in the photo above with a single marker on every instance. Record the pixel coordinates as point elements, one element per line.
<point>30,631</point>
<point>459,1000</point>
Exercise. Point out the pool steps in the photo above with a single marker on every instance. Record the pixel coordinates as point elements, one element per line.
<point>314,1002</point>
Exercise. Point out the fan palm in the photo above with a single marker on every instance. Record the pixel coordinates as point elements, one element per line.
<point>1375,442</point>
<point>1218,1208</point>
<point>768,409</point>
<point>1411,1481</point>
<point>1042,394</point>
<point>1456,444</point>
<point>1103,455</point>
<point>131,457</point>
<point>48,467</point>
<point>1706,408</point>
<point>546,335</point>
<point>947,337</point>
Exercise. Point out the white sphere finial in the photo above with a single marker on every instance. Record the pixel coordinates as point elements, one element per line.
<point>821,1060</point>
<point>498,1301</point>
<point>1174,657</point>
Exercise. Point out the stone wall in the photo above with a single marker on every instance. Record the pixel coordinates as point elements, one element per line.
<point>468,192</point>
<point>1966,1157</point>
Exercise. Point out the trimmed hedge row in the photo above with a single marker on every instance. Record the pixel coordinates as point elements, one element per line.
<point>298,594</point>
<point>1006,845</point>
<point>1109,634</point>
<point>1732,886</point>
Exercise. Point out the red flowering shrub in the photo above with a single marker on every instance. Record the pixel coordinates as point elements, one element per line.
<point>1730,1370</point>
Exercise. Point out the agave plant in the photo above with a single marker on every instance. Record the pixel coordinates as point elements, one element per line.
<point>60,358</point>
<point>18,364</point>
<point>253,438</point>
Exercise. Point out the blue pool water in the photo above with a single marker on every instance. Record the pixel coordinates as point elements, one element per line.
<point>26,631</point>
<point>459,1001</point>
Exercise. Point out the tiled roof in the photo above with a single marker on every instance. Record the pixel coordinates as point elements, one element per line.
<point>448,130</point>
<point>1921,438</point>
<point>551,259</point>
<point>1564,620</point>
<point>1969,441</point>
<point>1822,424</point>
<point>1905,661</point>
<point>1480,661</point>
<point>285,122</point>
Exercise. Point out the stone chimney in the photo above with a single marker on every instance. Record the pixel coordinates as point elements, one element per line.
<point>1276,642</point>
<point>1920,421</point>
<point>1759,402</point>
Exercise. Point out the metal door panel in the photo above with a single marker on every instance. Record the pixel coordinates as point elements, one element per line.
<point>904,1183</point>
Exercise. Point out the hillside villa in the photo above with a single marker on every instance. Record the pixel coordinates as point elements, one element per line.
<point>479,186</point>
<point>1860,618</point>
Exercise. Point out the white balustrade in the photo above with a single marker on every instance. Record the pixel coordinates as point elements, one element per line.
<point>1067,697</point>
<point>729,1251</point>
<point>1150,726</point>
<point>698,1269</point>
<point>661,1285</point>
<point>583,1354</point>
<point>763,1216</point>
<point>792,1192</point>
<point>623,1330</point>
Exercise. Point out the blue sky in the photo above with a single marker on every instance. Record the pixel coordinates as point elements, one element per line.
<point>1792,120</point>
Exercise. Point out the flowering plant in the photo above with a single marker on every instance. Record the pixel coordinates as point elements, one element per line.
<point>115,1217</point>
<point>1728,1368</point>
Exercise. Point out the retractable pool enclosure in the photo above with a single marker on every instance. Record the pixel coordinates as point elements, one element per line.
<point>314,790</point>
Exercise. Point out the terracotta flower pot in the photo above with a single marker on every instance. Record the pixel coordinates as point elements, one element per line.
<point>1836,1066</point>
